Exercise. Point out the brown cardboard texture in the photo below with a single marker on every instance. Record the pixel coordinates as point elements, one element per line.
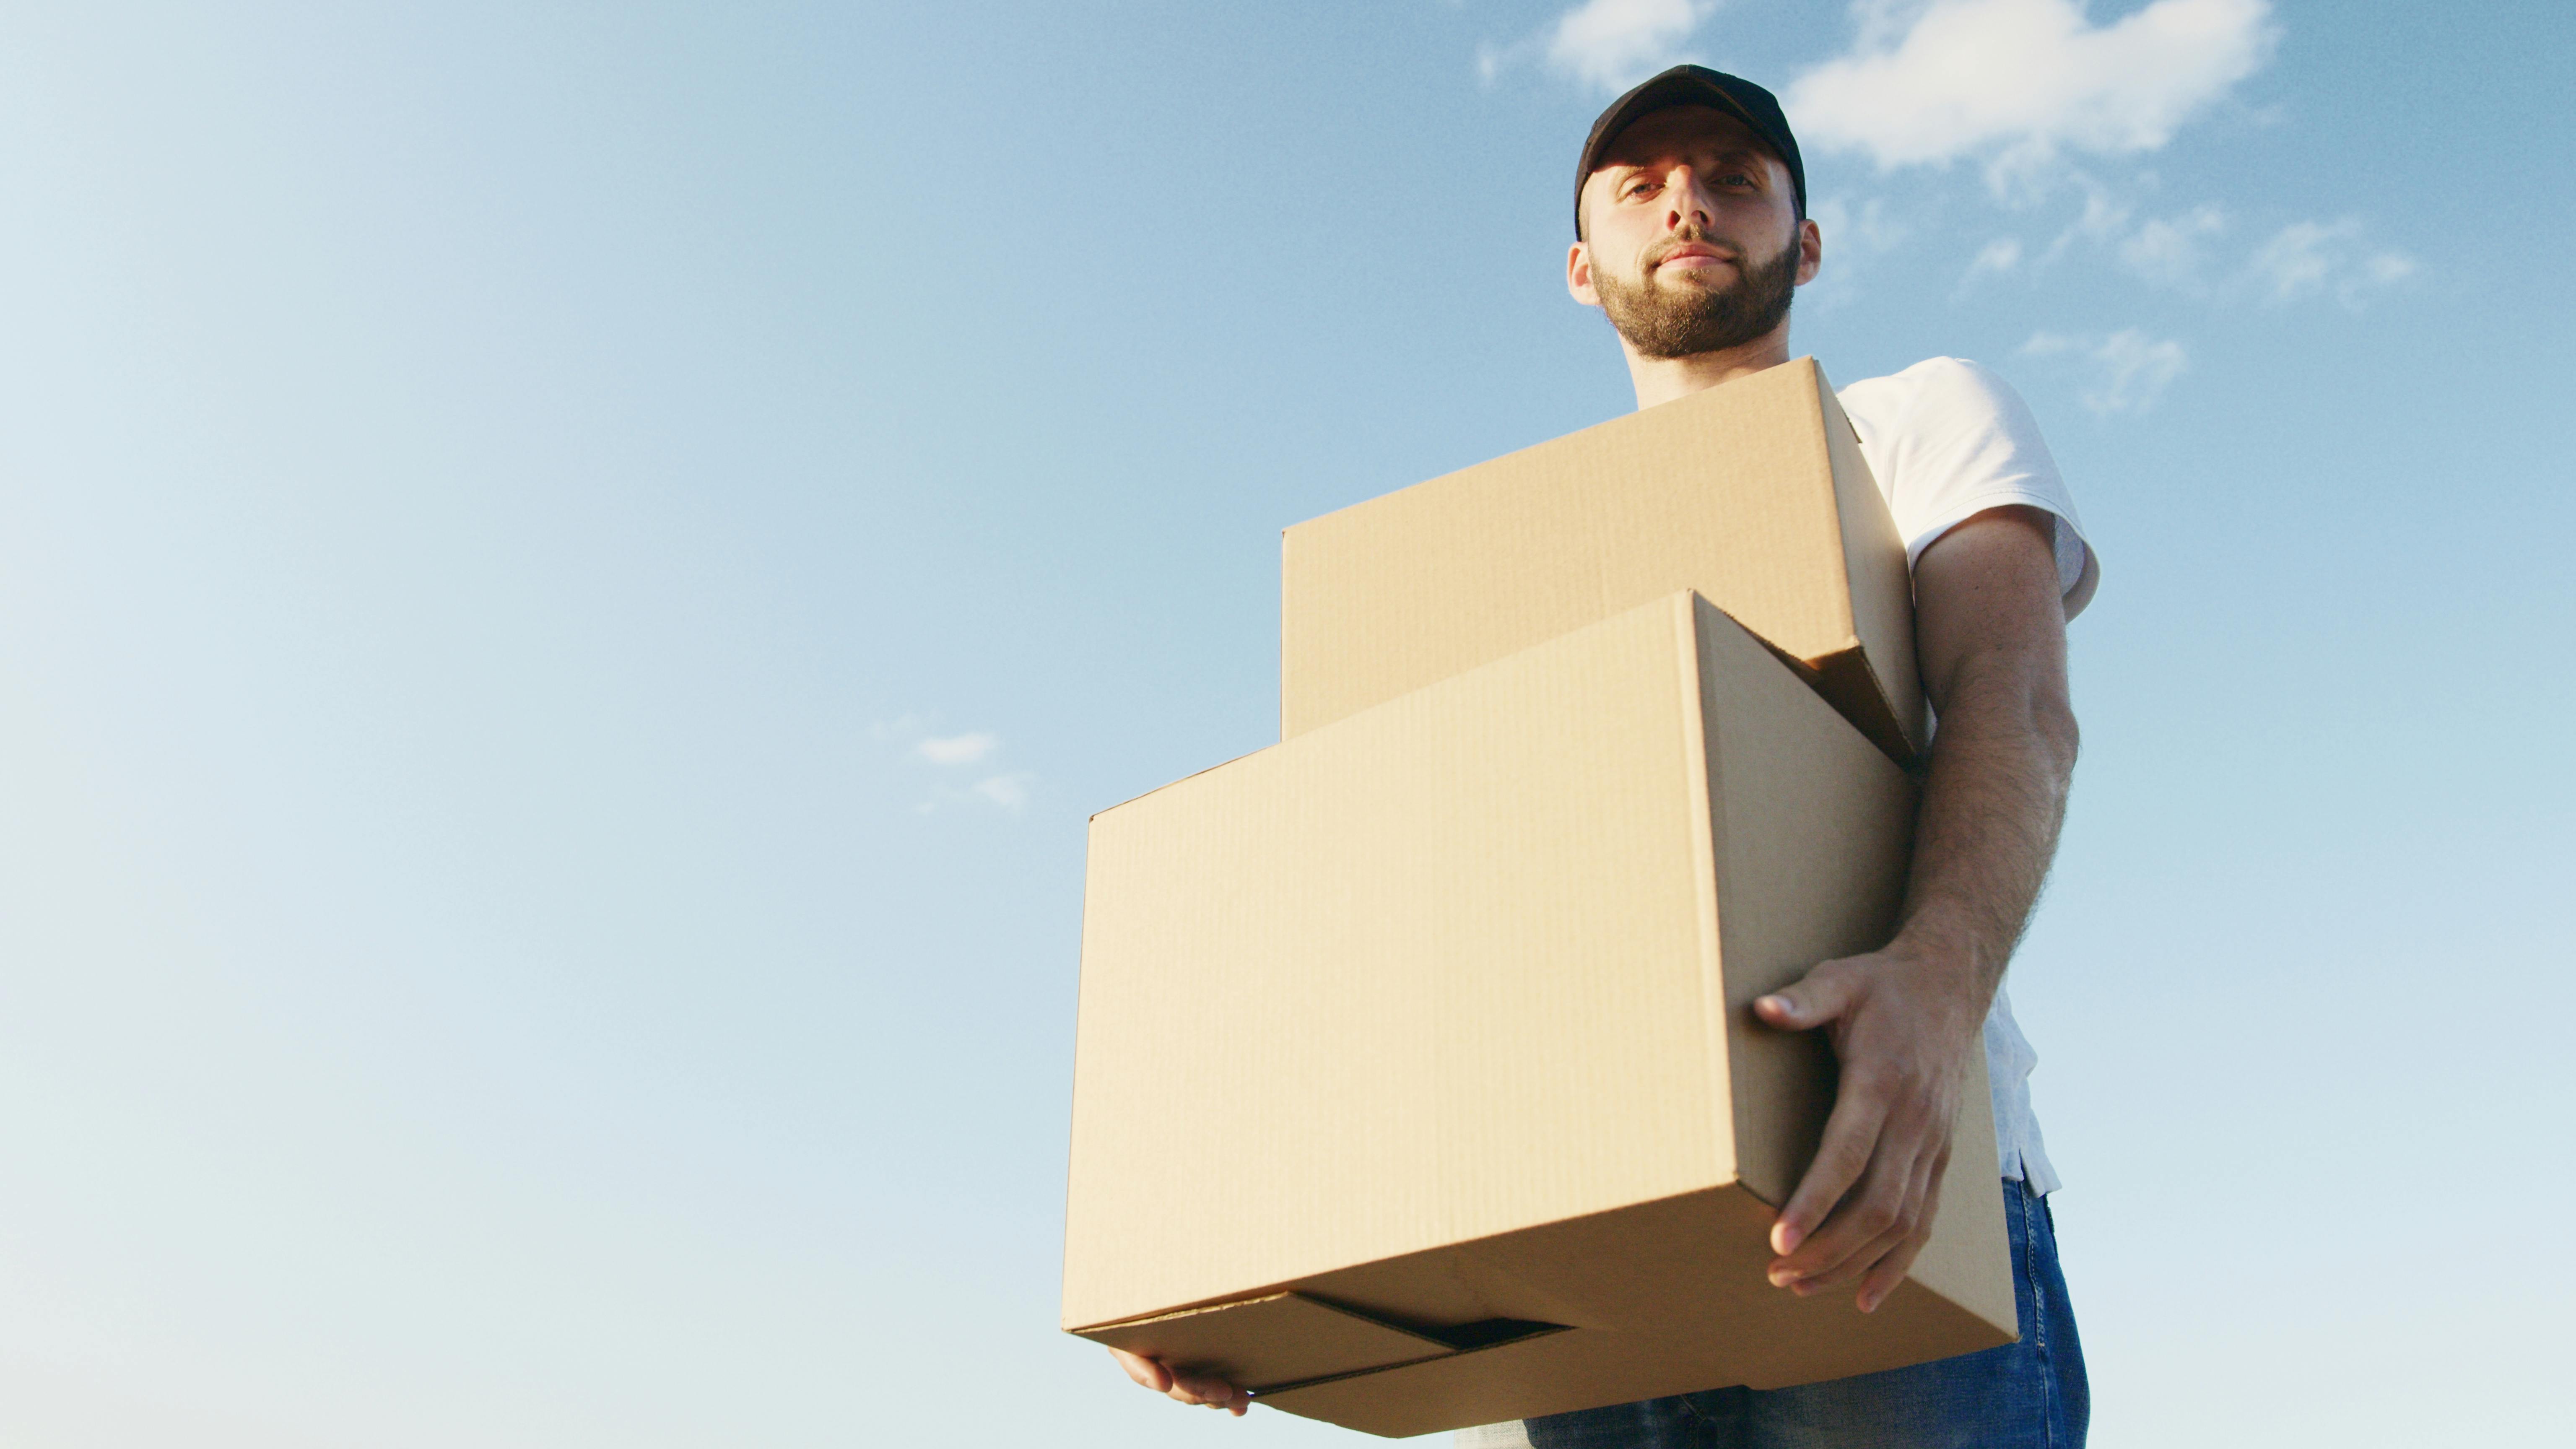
<point>1416,1078</point>
<point>1754,494</point>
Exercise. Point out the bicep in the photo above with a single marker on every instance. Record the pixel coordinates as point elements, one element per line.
<point>1988,611</point>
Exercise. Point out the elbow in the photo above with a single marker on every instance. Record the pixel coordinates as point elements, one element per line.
<point>2052,722</point>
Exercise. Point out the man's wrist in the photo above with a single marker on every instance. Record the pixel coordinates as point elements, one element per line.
<point>1950,962</point>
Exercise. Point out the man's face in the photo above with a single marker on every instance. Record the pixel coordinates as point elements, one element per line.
<point>1692,241</point>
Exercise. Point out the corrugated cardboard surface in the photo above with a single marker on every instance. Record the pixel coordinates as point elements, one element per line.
<point>1438,1014</point>
<point>1754,494</point>
<point>1276,1339</point>
<point>1435,973</point>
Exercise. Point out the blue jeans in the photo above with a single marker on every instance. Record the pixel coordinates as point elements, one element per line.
<point>2026,1395</point>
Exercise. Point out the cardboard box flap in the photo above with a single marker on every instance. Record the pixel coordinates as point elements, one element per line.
<point>1754,494</point>
<point>1876,687</point>
<point>1661,1298</point>
<point>1280,1339</point>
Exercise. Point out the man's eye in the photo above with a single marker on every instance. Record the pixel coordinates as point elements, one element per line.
<point>1638,188</point>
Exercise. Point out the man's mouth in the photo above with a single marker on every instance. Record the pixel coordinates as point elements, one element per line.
<point>1693,256</point>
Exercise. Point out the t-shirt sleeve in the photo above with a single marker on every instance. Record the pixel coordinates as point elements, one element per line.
<point>1947,440</point>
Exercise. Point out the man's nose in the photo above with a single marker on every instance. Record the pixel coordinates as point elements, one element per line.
<point>1688,203</point>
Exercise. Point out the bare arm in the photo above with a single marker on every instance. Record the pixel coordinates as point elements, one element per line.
<point>1990,635</point>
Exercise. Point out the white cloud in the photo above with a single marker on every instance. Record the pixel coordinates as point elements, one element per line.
<point>1879,24</point>
<point>963,749</point>
<point>2307,258</point>
<point>2169,250</point>
<point>1868,230</point>
<point>1008,791</point>
<point>2020,82</point>
<point>1607,45</point>
<point>2104,216</point>
<point>1854,236</point>
<point>1998,256</point>
<point>1611,45</point>
<point>2130,370</point>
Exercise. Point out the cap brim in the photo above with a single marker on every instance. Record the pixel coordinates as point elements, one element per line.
<point>1662,94</point>
<point>1682,86</point>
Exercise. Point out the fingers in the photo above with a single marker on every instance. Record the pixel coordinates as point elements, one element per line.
<point>1863,1227</point>
<point>1862,1210</point>
<point>1876,1233</point>
<point>1147,1372</point>
<point>1911,1219</point>
<point>1823,996</point>
<point>1863,1258</point>
<point>1185,1387</point>
<point>1878,1208</point>
<point>1214,1393</point>
<point>1891,1270</point>
<point>1851,1139</point>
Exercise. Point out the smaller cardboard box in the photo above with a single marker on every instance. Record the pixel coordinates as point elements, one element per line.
<point>1754,494</point>
<point>1416,1080</point>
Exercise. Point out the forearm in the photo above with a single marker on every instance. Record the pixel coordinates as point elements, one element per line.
<point>1993,800</point>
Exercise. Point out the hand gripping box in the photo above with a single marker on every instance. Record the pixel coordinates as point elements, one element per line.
<point>1416,1083</point>
<point>1753,493</point>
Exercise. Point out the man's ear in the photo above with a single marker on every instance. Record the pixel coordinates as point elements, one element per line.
<point>1811,251</point>
<point>1578,274</point>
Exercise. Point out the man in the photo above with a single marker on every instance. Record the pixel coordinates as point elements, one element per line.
<point>1691,235</point>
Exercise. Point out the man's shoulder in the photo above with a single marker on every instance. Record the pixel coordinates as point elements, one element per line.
<point>1939,407</point>
<point>1947,439</point>
<point>1934,386</point>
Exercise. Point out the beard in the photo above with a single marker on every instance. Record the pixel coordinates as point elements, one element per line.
<point>1684,320</point>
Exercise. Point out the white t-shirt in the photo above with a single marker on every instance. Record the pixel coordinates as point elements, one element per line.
<point>1948,440</point>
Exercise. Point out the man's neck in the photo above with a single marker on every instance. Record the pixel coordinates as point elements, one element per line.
<point>1662,379</point>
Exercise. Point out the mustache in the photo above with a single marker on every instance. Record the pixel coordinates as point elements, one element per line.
<point>1689,235</point>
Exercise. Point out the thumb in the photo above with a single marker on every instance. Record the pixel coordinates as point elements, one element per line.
<point>1815,999</point>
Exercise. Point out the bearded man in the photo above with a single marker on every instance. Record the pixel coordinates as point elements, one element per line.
<point>1692,236</point>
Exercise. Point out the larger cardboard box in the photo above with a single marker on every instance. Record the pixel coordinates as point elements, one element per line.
<point>1754,493</point>
<point>1416,1084</point>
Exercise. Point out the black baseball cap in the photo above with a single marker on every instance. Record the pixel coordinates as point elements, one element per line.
<point>1693,85</point>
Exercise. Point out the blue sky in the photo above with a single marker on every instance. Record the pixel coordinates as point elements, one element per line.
<point>570,574</point>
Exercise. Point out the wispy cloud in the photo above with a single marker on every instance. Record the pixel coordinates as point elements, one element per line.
<point>2309,258</point>
<point>963,749</point>
<point>2021,82</point>
<point>1867,228</point>
<point>1613,44</point>
<point>1999,257</point>
<point>2129,370</point>
<point>1007,790</point>
<point>2104,217</point>
<point>1855,237</point>
<point>1607,45</point>
<point>2172,251</point>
